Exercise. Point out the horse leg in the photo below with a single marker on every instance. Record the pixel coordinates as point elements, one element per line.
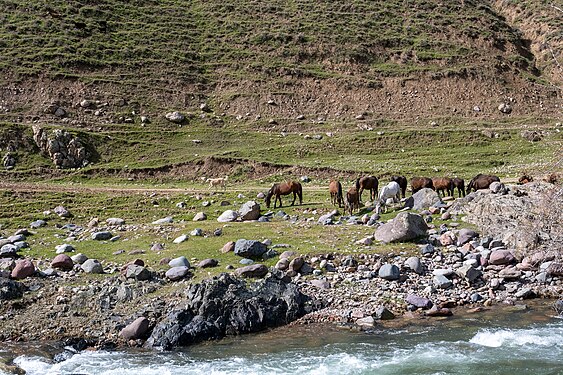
<point>294,198</point>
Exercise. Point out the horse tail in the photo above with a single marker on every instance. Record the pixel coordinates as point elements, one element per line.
<point>358,184</point>
<point>339,193</point>
<point>300,192</point>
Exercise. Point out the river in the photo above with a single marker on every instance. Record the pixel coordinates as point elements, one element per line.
<point>497,342</point>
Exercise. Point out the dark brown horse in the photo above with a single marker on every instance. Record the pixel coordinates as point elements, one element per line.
<point>481,181</point>
<point>418,183</point>
<point>284,188</point>
<point>402,181</point>
<point>460,185</point>
<point>335,189</point>
<point>444,185</point>
<point>367,183</point>
<point>352,199</point>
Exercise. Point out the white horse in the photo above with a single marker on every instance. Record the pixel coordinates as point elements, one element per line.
<point>217,182</point>
<point>390,191</point>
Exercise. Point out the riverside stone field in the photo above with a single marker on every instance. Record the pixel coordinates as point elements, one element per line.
<point>140,143</point>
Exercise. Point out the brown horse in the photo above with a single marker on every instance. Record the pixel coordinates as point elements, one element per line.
<point>284,188</point>
<point>444,185</point>
<point>481,181</point>
<point>335,189</point>
<point>402,181</point>
<point>352,199</point>
<point>460,185</point>
<point>418,183</point>
<point>525,179</point>
<point>369,183</point>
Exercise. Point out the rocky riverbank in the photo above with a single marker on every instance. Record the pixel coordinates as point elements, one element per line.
<point>453,267</point>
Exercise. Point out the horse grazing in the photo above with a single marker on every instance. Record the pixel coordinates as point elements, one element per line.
<point>335,189</point>
<point>481,181</point>
<point>402,181</point>
<point>418,183</point>
<point>444,185</point>
<point>367,183</point>
<point>460,185</point>
<point>284,188</point>
<point>525,179</point>
<point>391,190</point>
<point>352,199</point>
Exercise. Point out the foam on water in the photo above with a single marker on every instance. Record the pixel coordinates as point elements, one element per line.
<point>543,337</point>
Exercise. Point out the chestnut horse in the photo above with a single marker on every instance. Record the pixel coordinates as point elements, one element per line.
<point>460,185</point>
<point>352,199</point>
<point>402,181</point>
<point>444,185</point>
<point>418,183</point>
<point>367,182</point>
<point>284,188</point>
<point>525,179</point>
<point>481,181</point>
<point>335,189</point>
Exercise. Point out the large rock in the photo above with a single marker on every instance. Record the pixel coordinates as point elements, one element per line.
<point>101,236</point>
<point>137,272</point>
<point>24,268</point>
<point>92,266</point>
<point>250,211</point>
<point>64,149</point>
<point>135,330</point>
<point>177,273</point>
<point>253,270</point>
<point>175,117</point>
<point>499,257</point>
<point>226,305</point>
<point>10,289</point>
<point>405,226</point>
<point>418,301</point>
<point>181,261</point>
<point>227,216</point>
<point>9,251</point>
<point>423,199</point>
<point>389,272</point>
<point>250,248</point>
<point>62,262</point>
<point>465,235</point>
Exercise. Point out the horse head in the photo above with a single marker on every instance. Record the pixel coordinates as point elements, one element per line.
<point>269,195</point>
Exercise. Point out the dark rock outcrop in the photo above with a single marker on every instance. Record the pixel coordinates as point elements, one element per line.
<point>226,305</point>
<point>10,289</point>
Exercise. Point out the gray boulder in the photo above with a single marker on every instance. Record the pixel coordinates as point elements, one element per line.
<point>102,236</point>
<point>92,266</point>
<point>227,216</point>
<point>180,239</point>
<point>115,221</point>
<point>179,262</point>
<point>382,313</point>
<point>137,272</point>
<point>200,216</point>
<point>177,273</point>
<point>37,224</point>
<point>175,117</point>
<point>166,220</point>
<point>442,282</point>
<point>250,211</point>
<point>79,258</point>
<point>465,235</point>
<point>405,226</point>
<point>8,251</point>
<point>423,199</point>
<point>250,248</point>
<point>469,273</point>
<point>10,289</point>
<point>389,272</point>
<point>62,211</point>
<point>415,264</point>
<point>64,248</point>
<point>321,284</point>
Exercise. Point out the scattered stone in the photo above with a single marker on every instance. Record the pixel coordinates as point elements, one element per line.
<point>366,241</point>
<point>435,311</point>
<point>465,235</point>
<point>320,283</point>
<point>418,302</point>
<point>525,293</point>
<point>367,321</point>
<point>137,272</point>
<point>179,262</point>
<point>62,262</point>
<point>101,236</point>
<point>228,247</point>
<point>24,268</point>
<point>415,264</point>
<point>389,272</point>
<point>442,282</point>
<point>469,273</point>
<point>62,212</point>
<point>157,247</point>
<point>10,289</point>
<point>37,224</point>
<point>180,239</point>
<point>175,117</point>
<point>9,251</point>
<point>500,257</point>
<point>382,313</point>
<point>208,263</point>
<point>227,216</point>
<point>79,258</point>
<point>115,221</point>
<point>253,270</point>
<point>177,273</point>
<point>200,216</point>
<point>296,263</point>
<point>64,248</point>
<point>166,220</point>
<point>197,232</point>
<point>505,108</point>
<point>92,266</point>
<point>250,248</point>
<point>423,199</point>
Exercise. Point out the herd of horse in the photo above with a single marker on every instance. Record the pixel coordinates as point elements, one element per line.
<point>394,190</point>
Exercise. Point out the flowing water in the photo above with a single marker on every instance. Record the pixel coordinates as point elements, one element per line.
<point>524,342</point>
